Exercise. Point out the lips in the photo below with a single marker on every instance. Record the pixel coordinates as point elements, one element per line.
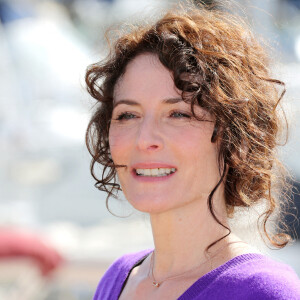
<point>152,166</point>
<point>155,172</point>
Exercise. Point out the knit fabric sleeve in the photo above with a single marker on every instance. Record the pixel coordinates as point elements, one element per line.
<point>276,284</point>
<point>260,278</point>
<point>112,281</point>
<point>107,285</point>
<point>247,277</point>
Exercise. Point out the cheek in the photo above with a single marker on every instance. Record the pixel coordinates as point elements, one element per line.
<point>120,144</point>
<point>198,151</point>
<point>195,141</point>
<point>115,145</point>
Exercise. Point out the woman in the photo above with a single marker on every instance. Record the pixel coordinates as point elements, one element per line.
<point>187,121</point>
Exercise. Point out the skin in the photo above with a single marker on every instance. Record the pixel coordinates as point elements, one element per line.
<point>147,130</point>
<point>150,133</point>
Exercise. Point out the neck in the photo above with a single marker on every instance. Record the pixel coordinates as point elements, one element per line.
<point>182,235</point>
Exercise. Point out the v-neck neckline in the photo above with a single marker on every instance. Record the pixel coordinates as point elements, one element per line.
<point>199,284</point>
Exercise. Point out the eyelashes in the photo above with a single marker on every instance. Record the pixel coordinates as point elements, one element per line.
<point>179,114</point>
<point>124,116</point>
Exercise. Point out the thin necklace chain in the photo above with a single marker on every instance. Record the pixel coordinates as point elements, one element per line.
<point>157,284</point>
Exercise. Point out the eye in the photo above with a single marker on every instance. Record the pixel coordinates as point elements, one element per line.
<point>125,116</point>
<point>179,114</point>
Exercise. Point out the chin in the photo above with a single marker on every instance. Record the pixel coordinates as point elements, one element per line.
<point>155,205</point>
<point>151,205</point>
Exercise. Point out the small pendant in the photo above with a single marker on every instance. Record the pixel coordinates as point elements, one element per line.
<point>156,284</point>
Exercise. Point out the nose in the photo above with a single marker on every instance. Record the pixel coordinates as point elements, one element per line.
<point>149,137</point>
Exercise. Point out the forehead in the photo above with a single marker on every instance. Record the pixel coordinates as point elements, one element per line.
<point>145,78</point>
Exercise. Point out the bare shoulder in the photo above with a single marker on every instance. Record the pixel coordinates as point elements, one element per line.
<point>233,248</point>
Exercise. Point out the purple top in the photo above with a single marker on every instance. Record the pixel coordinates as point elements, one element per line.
<point>247,276</point>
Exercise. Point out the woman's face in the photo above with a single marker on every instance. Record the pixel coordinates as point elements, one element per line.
<point>170,160</point>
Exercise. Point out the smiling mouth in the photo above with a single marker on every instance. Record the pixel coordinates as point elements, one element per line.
<point>156,172</point>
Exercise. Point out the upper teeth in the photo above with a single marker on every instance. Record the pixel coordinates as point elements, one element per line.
<point>155,172</point>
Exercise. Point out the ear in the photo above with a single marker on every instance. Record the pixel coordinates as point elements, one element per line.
<point>214,135</point>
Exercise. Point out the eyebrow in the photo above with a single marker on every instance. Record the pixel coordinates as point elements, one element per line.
<point>134,103</point>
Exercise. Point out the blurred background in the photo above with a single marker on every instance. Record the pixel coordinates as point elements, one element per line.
<point>56,236</point>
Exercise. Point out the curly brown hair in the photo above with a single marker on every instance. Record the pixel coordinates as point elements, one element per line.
<point>219,64</point>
